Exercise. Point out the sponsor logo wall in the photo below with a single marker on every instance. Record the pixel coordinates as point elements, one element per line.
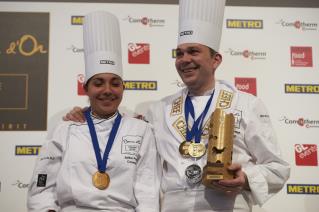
<point>267,52</point>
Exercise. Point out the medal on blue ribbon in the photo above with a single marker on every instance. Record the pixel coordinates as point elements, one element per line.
<point>195,149</point>
<point>101,179</point>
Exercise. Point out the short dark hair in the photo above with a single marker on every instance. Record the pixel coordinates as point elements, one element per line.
<point>212,52</point>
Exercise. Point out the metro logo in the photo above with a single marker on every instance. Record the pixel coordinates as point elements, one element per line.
<point>302,88</point>
<point>247,85</point>
<point>302,189</point>
<point>27,150</point>
<point>301,56</point>
<point>306,155</point>
<point>77,20</point>
<point>140,85</point>
<point>138,53</point>
<point>128,85</point>
<point>173,53</point>
<point>244,24</point>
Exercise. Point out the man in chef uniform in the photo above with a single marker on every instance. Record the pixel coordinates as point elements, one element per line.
<point>108,163</point>
<point>183,118</point>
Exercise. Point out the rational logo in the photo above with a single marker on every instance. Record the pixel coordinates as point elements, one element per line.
<point>244,24</point>
<point>247,85</point>
<point>248,54</point>
<point>302,88</point>
<point>306,155</point>
<point>138,53</point>
<point>301,56</point>
<point>302,189</point>
<point>27,150</point>
<point>299,25</point>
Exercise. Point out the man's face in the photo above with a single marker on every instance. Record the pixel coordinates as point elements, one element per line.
<point>105,92</point>
<point>196,66</point>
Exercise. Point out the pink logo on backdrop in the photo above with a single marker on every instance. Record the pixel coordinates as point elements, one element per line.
<point>138,53</point>
<point>298,24</point>
<point>306,155</point>
<point>145,21</point>
<point>247,85</point>
<point>80,82</point>
<point>248,54</point>
<point>301,56</point>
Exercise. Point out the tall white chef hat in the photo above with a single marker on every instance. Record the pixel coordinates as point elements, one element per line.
<point>201,21</point>
<point>102,44</point>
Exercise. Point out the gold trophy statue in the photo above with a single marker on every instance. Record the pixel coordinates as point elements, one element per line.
<point>220,148</point>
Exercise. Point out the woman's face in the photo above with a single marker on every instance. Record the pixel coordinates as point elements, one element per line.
<point>105,92</point>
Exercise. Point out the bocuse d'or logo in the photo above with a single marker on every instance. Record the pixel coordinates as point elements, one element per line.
<point>138,53</point>
<point>306,155</point>
<point>128,85</point>
<point>302,88</point>
<point>302,189</point>
<point>247,85</point>
<point>301,56</point>
<point>299,25</point>
<point>301,122</point>
<point>27,45</point>
<point>27,150</point>
<point>247,54</point>
<point>244,24</point>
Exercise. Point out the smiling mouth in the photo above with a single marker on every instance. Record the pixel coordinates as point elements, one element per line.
<point>106,99</point>
<point>188,70</point>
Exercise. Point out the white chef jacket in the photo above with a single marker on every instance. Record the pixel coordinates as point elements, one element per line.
<point>62,178</point>
<point>255,148</point>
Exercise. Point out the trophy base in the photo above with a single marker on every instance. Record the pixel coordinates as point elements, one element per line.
<point>211,174</point>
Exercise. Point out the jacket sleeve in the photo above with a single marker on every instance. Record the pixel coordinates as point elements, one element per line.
<point>42,188</point>
<point>268,172</point>
<point>146,186</point>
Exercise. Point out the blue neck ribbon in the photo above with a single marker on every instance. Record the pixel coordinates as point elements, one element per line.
<point>196,130</point>
<point>102,162</point>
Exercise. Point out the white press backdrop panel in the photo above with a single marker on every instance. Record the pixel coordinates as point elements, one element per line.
<point>271,73</point>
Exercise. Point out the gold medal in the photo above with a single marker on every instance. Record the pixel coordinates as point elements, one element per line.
<point>101,180</point>
<point>196,150</point>
<point>183,148</point>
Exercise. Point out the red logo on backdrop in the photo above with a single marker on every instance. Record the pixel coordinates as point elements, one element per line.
<point>301,56</point>
<point>81,91</point>
<point>306,155</point>
<point>247,85</point>
<point>138,53</point>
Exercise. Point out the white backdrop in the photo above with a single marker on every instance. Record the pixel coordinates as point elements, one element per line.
<point>263,54</point>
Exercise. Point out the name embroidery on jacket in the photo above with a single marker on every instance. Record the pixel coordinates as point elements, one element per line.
<point>177,106</point>
<point>224,99</point>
